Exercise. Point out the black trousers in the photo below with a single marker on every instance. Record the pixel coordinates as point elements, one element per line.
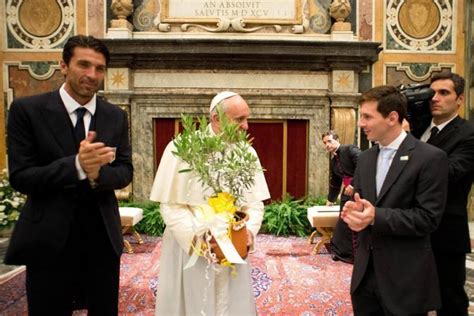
<point>342,241</point>
<point>85,276</point>
<point>367,299</point>
<point>452,276</point>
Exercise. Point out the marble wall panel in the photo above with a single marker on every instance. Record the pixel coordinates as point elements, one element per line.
<point>409,73</point>
<point>365,19</point>
<point>24,82</point>
<point>96,18</point>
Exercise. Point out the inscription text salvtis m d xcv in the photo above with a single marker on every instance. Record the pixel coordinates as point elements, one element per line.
<point>228,9</point>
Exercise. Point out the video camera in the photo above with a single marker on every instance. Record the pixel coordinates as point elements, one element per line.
<point>418,107</point>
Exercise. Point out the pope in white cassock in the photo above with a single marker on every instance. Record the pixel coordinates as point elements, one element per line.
<point>199,290</point>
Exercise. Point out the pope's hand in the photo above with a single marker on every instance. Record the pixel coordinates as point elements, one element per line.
<point>250,239</point>
<point>358,214</point>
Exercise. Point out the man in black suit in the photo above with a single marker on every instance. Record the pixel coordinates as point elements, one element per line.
<point>342,166</point>
<point>451,240</point>
<point>69,232</point>
<point>400,189</point>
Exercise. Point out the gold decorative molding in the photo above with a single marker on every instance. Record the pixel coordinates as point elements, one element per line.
<point>343,121</point>
<point>224,24</point>
<point>117,79</point>
<point>40,18</point>
<point>419,18</point>
<point>343,115</point>
<point>39,24</point>
<point>343,81</point>
<point>413,71</point>
<point>420,25</point>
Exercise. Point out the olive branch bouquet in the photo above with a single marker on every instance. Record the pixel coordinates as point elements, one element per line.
<point>222,161</point>
<point>225,163</point>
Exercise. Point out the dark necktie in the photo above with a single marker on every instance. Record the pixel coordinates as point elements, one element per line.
<point>434,132</point>
<point>79,129</point>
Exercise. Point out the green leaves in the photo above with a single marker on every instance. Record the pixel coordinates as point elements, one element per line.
<point>224,162</point>
<point>289,216</point>
<point>281,218</point>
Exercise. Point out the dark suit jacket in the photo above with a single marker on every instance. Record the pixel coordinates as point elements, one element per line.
<point>41,157</point>
<point>343,164</point>
<point>408,209</point>
<point>457,140</point>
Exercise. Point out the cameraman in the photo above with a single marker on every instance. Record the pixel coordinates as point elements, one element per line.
<point>450,242</point>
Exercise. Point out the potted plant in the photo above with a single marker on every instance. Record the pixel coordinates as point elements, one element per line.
<point>223,163</point>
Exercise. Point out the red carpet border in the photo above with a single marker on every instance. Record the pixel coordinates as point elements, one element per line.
<point>287,280</point>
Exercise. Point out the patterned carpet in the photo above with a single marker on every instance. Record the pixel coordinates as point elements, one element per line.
<point>288,280</point>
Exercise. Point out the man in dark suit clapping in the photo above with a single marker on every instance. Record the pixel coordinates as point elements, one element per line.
<point>451,240</point>
<point>400,189</point>
<point>341,167</point>
<point>69,232</point>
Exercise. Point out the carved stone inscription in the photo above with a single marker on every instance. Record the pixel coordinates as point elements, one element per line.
<point>261,11</point>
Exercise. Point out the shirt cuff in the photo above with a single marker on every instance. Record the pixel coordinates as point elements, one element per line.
<point>81,175</point>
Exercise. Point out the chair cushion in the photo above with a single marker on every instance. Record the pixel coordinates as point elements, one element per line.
<point>130,215</point>
<point>323,216</point>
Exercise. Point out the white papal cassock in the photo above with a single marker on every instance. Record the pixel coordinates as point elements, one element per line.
<point>189,292</point>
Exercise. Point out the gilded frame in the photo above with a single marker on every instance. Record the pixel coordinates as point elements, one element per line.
<point>297,18</point>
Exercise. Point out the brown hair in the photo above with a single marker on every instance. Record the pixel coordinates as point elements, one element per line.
<point>388,99</point>
<point>84,42</point>
<point>457,80</point>
<point>330,133</point>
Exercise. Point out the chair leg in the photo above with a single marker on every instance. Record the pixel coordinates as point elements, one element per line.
<point>128,246</point>
<point>125,229</point>
<point>137,237</point>
<point>311,238</point>
<point>326,234</point>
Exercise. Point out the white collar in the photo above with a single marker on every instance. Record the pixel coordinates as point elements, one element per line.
<point>442,125</point>
<point>71,104</point>
<point>395,144</point>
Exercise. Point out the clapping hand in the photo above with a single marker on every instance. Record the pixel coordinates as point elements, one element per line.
<point>358,214</point>
<point>94,155</point>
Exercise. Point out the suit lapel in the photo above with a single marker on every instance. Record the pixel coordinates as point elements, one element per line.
<point>57,119</point>
<point>103,121</point>
<point>447,132</point>
<point>399,162</point>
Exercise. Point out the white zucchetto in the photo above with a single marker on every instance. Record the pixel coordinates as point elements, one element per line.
<point>220,97</point>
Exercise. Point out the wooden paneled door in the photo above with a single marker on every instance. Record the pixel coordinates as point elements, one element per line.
<point>282,146</point>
